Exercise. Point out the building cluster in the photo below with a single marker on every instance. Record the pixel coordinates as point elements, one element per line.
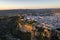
<point>43,28</point>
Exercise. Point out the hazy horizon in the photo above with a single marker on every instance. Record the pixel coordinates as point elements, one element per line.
<point>28,4</point>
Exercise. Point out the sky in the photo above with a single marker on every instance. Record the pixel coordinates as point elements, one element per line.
<point>29,4</point>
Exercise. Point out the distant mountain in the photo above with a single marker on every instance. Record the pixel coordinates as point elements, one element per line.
<point>23,11</point>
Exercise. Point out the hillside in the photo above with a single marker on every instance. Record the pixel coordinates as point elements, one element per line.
<point>14,28</point>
